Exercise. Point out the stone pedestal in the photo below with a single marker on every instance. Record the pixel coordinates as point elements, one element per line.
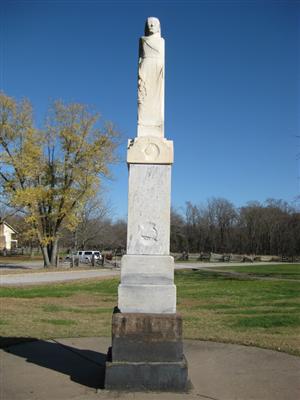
<point>146,353</point>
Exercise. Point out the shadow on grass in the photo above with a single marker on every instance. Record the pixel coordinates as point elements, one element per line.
<point>85,367</point>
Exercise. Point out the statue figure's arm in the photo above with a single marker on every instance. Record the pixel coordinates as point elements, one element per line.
<point>140,50</point>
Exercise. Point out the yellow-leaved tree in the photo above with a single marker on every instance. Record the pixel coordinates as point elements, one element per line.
<point>50,173</point>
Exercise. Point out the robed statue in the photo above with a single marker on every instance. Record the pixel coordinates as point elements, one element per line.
<point>151,81</point>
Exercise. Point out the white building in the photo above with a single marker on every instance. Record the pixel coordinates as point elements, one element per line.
<point>6,236</point>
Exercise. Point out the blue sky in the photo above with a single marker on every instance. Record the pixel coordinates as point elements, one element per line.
<point>232,84</point>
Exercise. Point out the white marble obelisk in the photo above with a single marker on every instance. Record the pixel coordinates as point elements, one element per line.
<point>147,270</point>
<point>147,350</point>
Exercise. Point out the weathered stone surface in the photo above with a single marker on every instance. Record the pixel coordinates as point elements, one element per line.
<point>147,269</point>
<point>148,230</point>
<point>150,150</point>
<point>168,376</point>
<point>146,337</point>
<point>156,299</point>
<point>154,326</point>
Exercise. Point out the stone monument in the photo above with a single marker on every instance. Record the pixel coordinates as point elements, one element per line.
<point>146,352</point>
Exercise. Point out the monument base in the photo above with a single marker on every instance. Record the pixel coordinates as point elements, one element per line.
<point>146,376</point>
<point>146,353</point>
<point>144,299</point>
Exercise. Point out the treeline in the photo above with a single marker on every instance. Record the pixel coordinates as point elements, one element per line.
<point>269,228</point>
<point>96,230</point>
<point>218,226</point>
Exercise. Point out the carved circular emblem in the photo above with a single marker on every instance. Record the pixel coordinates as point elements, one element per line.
<point>148,232</point>
<point>151,151</point>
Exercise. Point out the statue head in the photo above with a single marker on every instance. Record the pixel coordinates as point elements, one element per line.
<point>152,26</point>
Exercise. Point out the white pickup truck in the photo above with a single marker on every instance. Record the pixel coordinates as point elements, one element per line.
<point>87,255</point>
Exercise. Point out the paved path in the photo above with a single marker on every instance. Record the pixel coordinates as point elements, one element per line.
<point>35,278</point>
<point>74,369</point>
<point>49,277</point>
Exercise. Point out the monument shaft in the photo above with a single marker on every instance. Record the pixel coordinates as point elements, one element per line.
<point>147,271</point>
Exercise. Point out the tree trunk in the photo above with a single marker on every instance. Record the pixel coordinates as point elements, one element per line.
<point>50,254</point>
<point>31,251</point>
<point>45,256</point>
<point>53,256</point>
<point>75,238</point>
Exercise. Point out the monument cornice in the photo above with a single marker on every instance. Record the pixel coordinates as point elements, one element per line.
<point>150,150</point>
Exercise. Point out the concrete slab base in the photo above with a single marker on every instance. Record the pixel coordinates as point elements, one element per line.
<point>73,369</point>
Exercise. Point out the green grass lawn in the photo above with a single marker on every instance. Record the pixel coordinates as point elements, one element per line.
<point>231,309</point>
<point>263,313</point>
